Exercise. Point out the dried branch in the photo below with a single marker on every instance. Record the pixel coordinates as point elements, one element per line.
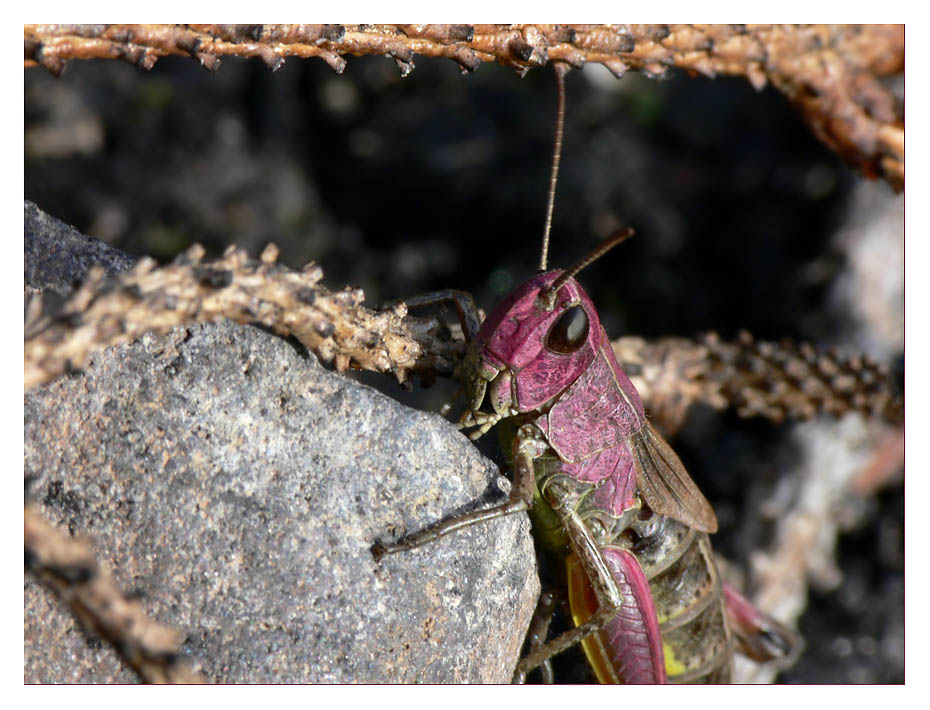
<point>756,378</point>
<point>149,298</point>
<point>828,71</point>
<point>67,567</point>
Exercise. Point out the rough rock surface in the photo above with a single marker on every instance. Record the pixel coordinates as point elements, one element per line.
<point>236,486</point>
<point>57,254</point>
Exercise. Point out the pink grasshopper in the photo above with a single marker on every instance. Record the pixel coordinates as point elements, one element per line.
<point>605,491</point>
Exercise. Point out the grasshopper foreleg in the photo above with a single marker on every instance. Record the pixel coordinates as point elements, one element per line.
<point>526,448</point>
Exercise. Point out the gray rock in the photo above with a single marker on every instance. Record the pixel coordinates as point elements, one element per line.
<point>57,255</point>
<point>236,486</point>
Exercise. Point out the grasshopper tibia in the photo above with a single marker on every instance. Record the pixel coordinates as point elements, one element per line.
<point>469,315</point>
<point>536,638</point>
<point>525,449</point>
<point>424,537</point>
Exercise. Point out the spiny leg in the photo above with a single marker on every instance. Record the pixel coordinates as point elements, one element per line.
<point>537,634</point>
<point>468,313</point>
<point>604,587</point>
<point>621,590</point>
<point>570,638</point>
<point>526,448</point>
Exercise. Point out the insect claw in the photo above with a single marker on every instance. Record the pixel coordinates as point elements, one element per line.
<point>475,435</point>
<point>483,420</point>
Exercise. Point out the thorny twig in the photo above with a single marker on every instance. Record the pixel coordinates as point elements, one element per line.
<point>829,71</point>
<point>67,567</point>
<point>148,298</point>
<point>756,378</point>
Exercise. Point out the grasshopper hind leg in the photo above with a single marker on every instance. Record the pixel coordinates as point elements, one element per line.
<point>758,635</point>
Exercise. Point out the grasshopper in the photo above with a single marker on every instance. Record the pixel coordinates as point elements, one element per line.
<point>603,488</point>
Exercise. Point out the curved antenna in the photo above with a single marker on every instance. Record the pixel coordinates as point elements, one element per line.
<point>547,297</point>
<point>560,71</point>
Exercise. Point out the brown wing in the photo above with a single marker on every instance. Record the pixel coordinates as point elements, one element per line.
<point>665,484</point>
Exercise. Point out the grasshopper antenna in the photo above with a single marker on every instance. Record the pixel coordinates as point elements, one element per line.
<point>547,297</point>
<point>560,71</point>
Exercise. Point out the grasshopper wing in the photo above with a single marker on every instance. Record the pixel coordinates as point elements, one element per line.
<point>665,484</point>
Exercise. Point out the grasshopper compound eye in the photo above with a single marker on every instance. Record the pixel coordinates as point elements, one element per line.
<point>569,332</point>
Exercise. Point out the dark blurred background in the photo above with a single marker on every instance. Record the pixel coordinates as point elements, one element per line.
<point>405,185</point>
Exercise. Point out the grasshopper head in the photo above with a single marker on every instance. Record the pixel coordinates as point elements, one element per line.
<point>532,346</point>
